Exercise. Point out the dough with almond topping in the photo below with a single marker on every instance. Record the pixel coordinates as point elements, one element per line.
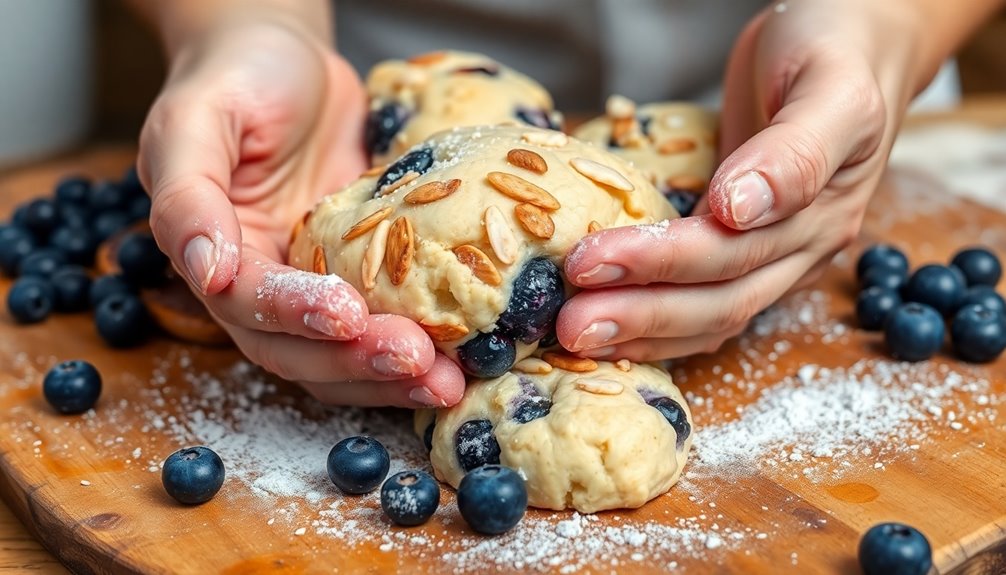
<point>588,437</point>
<point>467,233</point>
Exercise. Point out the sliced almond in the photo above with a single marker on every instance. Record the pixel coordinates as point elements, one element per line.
<point>532,365</point>
<point>375,171</point>
<point>593,226</point>
<point>535,220</point>
<point>407,178</point>
<point>617,106</point>
<point>427,58</point>
<point>400,250</point>
<point>297,227</point>
<point>569,362</point>
<point>599,386</point>
<point>501,236</point>
<point>432,191</point>
<point>602,174</point>
<point>686,182</point>
<point>522,190</point>
<point>622,129</point>
<point>319,265</point>
<point>480,264</point>
<point>374,256</point>
<point>623,364</point>
<point>527,159</point>
<point>368,223</point>
<point>677,146</point>
<point>445,331</point>
<point>545,138</point>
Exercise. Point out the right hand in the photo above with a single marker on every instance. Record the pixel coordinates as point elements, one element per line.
<point>256,122</point>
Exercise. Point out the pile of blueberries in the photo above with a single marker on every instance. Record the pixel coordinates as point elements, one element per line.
<point>50,243</point>
<point>915,309</point>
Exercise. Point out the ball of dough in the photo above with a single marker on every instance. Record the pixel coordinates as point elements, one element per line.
<point>585,435</point>
<point>466,234</point>
<point>673,143</point>
<point>413,99</point>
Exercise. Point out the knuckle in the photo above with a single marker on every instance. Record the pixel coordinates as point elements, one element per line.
<point>658,321</point>
<point>810,161</point>
<point>754,255</point>
<point>737,311</point>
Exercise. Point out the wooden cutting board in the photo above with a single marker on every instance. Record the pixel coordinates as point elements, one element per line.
<point>89,488</point>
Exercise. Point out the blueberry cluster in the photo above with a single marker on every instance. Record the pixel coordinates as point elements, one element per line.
<point>895,549</point>
<point>913,309</point>
<point>538,293</point>
<point>49,243</point>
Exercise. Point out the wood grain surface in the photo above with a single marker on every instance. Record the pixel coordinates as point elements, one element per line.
<point>953,487</point>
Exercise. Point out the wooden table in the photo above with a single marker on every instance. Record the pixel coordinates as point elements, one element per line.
<point>19,552</point>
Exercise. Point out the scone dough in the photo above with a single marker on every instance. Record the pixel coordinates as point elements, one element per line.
<point>673,143</point>
<point>450,263</point>
<point>586,439</point>
<point>413,99</point>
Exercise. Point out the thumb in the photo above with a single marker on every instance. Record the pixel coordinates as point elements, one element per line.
<point>831,116</point>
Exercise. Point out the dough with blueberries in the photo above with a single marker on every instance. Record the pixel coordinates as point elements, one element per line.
<point>673,143</point>
<point>413,99</point>
<point>585,435</point>
<point>467,232</point>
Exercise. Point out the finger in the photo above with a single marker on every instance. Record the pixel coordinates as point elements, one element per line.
<point>598,318</point>
<point>268,296</point>
<point>659,349</point>
<point>392,347</point>
<point>442,386</point>
<point>187,154</point>
<point>741,111</point>
<point>688,250</point>
<point>820,126</point>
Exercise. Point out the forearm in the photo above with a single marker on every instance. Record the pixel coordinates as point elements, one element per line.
<point>179,22</point>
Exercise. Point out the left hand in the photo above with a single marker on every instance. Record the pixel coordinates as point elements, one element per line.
<point>814,95</point>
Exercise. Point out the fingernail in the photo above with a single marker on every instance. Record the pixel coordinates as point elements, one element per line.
<point>750,198</point>
<point>423,396</point>
<point>393,364</point>
<point>601,274</point>
<point>598,352</point>
<point>200,261</point>
<point>596,334</point>
<point>326,325</point>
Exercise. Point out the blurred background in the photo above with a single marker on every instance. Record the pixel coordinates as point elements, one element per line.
<point>103,67</point>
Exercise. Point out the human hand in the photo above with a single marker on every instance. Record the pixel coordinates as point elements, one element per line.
<point>257,121</point>
<point>813,96</point>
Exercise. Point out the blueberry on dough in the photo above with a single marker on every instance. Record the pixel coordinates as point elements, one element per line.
<point>475,444</point>
<point>383,124</point>
<point>536,117</point>
<point>675,415</point>
<point>418,161</point>
<point>538,293</point>
<point>487,355</point>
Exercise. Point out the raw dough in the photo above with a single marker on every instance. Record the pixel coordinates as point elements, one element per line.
<point>412,99</point>
<point>673,143</point>
<point>589,439</point>
<point>450,264</point>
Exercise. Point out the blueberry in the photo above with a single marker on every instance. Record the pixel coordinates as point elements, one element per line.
<point>884,277</point>
<point>76,243</point>
<point>72,286</point>
<point>141,261</point>
<point>550,339</point>
<point>108,285</point>
<point>41,217</point>
<point>538,293</point>
<point>492,499</point>
<point>107,196</point>
<point>418,161</point>
<point>537,117</point>
<point>487,355</point>
<point>193,475</point>
<point>16,242</point>
<point>529,404</point>
<point>74,216</point>
<point>72,387</point>
<point>20,216</point>
<point>428,435</point>
<point>410,498</point>
<point>488,70</point>
<point>107,224</point>
<point>675,415</point>
<point>882,255</point>
<point>874,305</point>
<point>130,182</point>
<point>684,201</point>
<point>358,465</point>
<point>383,124</point>
<point>978,334</point>
<point>914,332</point>
<point>937,286</point>
<point>644,124</point>
<point>894,549</point>
<point>122,320</point>
<point>985,296</point>
<point>980,266</point>
<point>475,444</point>
<point>73,190</point>
<point>41,263</point>
<point>30,299</point>
<point>139,208</point>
